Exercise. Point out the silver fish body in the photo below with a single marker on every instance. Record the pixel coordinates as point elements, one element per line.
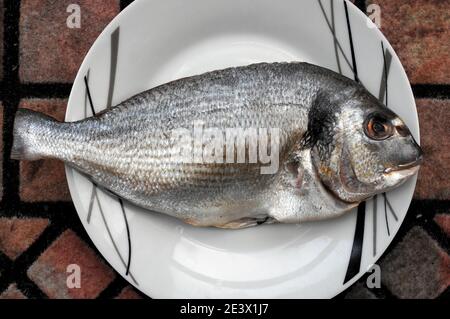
<point>131,149</point>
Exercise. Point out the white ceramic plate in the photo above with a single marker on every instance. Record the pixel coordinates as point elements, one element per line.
<point>156,41</point>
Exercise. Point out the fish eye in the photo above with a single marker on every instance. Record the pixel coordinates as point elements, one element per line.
<point>377,127</point>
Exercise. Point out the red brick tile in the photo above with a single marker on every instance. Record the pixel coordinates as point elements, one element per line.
<point>417,267</point>
<point>12,293</point>
<point>49,271</point>
<point>443,220</point>
<point>43,181</point>
<point>47,175</point>
<point>128,293</point>
<point>16,235</point>
<point>49,50</point>
<point>419,31</point>
<point>433,182</point>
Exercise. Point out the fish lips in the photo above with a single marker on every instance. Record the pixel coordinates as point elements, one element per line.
<point>411,167</point>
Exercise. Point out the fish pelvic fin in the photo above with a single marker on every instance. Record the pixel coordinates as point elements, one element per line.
<point>247,222</point>
<point>27,125</point>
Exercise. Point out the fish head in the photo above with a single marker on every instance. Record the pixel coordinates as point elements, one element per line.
<point>367,149</point>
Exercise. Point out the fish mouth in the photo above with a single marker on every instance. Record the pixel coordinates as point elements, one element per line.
<point>405,168</point>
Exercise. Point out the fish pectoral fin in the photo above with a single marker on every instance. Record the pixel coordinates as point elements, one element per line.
<point>247,222</point>
<point>296,173</point>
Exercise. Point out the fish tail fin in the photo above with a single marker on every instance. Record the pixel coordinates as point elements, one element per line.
<point>28,124</point>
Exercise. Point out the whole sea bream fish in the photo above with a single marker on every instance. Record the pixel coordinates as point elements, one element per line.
<point>308,144</point>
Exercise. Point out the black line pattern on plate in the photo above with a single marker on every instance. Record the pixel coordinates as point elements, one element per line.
<point>332,28</point>
<point>115,36</point>
<point>352,48</point>
<point>335,41</point>
<point>374,223</point>
<point>87,95</point>
<point>102,214</point>
<point>386,216</point>
<point>387,205</point>
<point>391,209</point>
<point>354,264</point>
<point>91,203</point>
<point>387,61</point>
<point>122,206</point>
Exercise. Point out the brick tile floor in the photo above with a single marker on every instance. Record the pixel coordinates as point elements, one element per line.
<point>128,293</point>
<point>417,267</point>
<point>50,270</point>
<point>12,293</point>
<point>40,234</point>
<point>50,51</point>
<point>17,234</point>
<point>419,31</point>
<point>434,127</point>
<point>443,221</point>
